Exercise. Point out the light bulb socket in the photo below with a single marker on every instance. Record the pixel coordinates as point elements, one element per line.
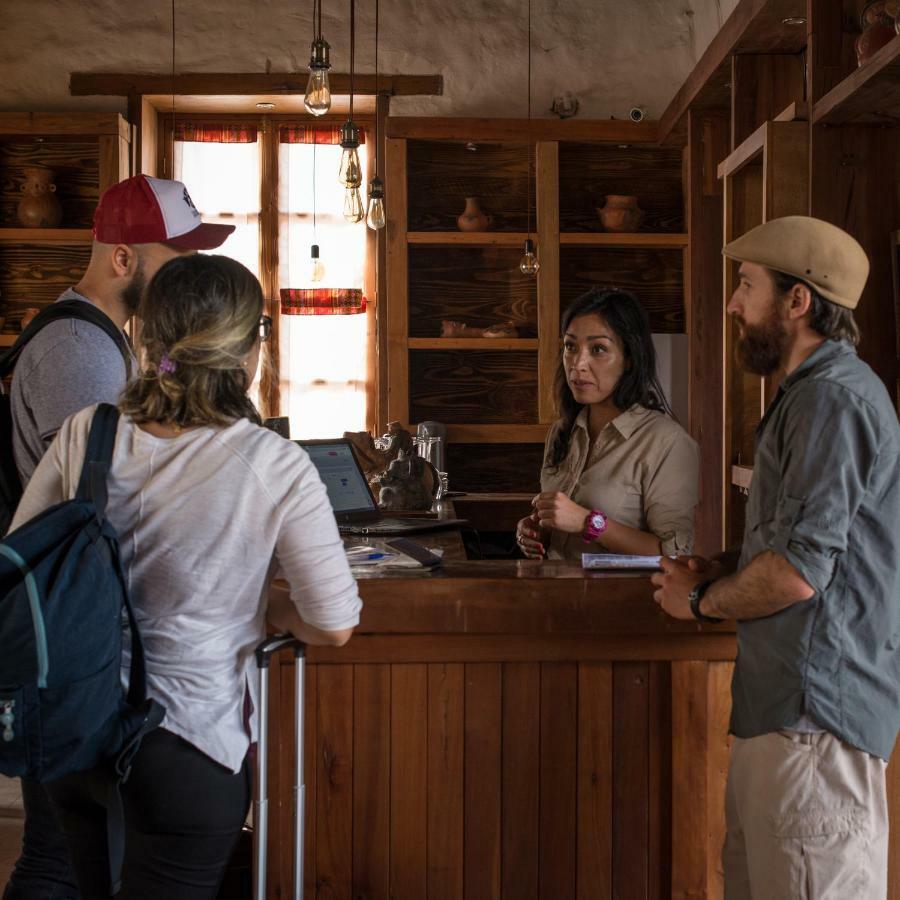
<point>349,135</point>
<point>319,54</point>
<point>314,251</point>
<point>529,246</point>
<point>376,189</point>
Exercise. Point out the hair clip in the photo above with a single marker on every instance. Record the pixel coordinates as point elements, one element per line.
<point>166,365</point>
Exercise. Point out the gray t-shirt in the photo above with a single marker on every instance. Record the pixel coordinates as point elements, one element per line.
<point>68,365</point>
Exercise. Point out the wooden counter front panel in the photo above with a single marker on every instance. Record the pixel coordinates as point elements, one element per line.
<point>497,780</point>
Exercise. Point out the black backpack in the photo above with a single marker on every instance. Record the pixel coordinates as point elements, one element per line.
<point>63,602</point>
<point>10,484</point>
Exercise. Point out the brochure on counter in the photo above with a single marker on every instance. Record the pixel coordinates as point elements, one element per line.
<point>618,561</point>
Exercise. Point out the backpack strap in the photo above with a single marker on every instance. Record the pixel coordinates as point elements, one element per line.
<point>67,309</point>
<point>98,457</point>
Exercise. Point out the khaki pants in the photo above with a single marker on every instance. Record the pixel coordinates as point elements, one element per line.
<point>806,819</point>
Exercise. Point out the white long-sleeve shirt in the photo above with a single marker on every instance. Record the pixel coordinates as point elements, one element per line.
<point>204,519</point>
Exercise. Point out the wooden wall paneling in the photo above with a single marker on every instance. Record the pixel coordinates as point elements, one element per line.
<point>630,814</point>
<point>595,772</point>
<point>495,467</point>
<point>75,162</point>
<point>478,286</point>
<point>509,130</point>
<point>409,781</point>
<point>762,85</point>
<point>786,170</point>
<point>832,31</point>
<point>446,721</point>
<point>707,144</point>
<point>334,782</point>
<point>893,792</point>
<point>483,838</point>
<point>590,172</point>
<point>396,317</point>
<point>32,275</point>
<point>548,275</point>
<point>656,277</point>
<point>484,387</point>
<point>559,752</point>
<point>895,267</point>
<point>659,717</point>
<point>718,705</point>
<point>371,782</point>
<point>849,188</point>
<point>521,781</point>
<point>270,380</point>
<point>442,174</point>
<point>690,805</point>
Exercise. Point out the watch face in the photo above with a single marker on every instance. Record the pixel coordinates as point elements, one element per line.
<point>598,520</point>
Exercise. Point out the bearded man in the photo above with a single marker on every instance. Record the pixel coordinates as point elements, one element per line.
<point>139,225</point>
<point>816,590</point>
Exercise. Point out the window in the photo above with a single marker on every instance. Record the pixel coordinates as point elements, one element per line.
<point>322,379</point>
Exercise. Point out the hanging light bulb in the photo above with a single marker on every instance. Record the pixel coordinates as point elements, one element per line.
<point>528,264</point>
<point>350,172</point>
<point>316,266</point>
<point>318,92</point>
<point>353,206</point>
<point>375,217</point>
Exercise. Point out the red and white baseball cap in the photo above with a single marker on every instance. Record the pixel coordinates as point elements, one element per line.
<point>144,210</point>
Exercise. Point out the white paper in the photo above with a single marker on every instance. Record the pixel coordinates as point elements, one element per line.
<point>618,561</point>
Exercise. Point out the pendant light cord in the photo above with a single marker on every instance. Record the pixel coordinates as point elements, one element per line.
<point>314,186</point>
<point>375,151</point>
<point>528,179</point>
<point>352,50</point>
<point>173,73</point>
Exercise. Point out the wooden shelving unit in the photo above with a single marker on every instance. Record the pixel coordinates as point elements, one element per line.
<point>495,395</point>
<point>88,153</point>
<point>870,95</point>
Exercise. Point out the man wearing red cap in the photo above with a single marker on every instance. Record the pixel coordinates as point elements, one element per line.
<point>139,225</point>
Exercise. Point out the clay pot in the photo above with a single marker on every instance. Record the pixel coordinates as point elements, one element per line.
<point>879,29</point>
<point>621,213</point>
<point>472,218</point>
<point>39,208</point>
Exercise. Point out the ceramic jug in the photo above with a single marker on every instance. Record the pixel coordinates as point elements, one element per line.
<point>472,218</point>
<point>621,213</point>
<point>39,208</point>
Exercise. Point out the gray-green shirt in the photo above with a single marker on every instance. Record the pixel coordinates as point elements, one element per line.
<point>826,496</point>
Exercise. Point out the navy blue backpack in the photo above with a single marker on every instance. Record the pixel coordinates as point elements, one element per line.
<point>63,605</point>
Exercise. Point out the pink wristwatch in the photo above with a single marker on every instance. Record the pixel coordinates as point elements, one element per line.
<point>594,525</point>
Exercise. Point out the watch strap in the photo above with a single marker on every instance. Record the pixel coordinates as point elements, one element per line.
<point>696,596</point>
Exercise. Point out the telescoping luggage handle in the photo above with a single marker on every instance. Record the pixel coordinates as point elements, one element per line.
<point>264,653</point>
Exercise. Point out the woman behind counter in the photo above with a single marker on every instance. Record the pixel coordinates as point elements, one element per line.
<point>620,474</point>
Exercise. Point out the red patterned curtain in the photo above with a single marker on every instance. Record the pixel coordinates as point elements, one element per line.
<point>314,134</point>
<point>322,301</point>
<point>216,133</point>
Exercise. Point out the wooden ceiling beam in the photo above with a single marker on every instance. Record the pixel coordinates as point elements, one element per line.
<point>121,84</point>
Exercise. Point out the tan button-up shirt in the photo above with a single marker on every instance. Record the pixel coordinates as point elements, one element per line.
<point>642,471</point>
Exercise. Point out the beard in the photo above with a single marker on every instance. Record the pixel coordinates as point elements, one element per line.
<point>132,293</point>
<point>761,348</point>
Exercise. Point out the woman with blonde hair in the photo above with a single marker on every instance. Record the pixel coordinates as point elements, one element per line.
<point>207,505</point>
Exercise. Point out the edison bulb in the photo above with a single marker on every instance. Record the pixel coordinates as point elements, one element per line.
<point>375,217</point>
<point>353,206</point>
<point>316,271</point>
<point>350,173</point>
<point>528,264</point>
<point>318,92</point>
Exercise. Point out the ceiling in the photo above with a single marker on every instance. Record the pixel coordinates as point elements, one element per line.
<point>611,55</point>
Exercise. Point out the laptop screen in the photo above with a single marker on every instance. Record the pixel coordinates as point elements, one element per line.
<point>341,475</point>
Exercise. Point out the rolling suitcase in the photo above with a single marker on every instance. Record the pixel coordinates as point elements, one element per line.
<point>264,653</point>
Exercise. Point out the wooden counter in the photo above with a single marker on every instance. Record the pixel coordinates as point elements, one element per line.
<point>508,729</point>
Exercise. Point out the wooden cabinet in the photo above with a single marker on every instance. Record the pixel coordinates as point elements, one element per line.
<point>496,394</point>
<point>87,152</point>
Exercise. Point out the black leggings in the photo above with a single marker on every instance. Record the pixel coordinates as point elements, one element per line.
<point>183,815</point>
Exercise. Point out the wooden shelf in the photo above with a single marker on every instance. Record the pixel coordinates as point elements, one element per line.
<point>633,239</point>
<point>468,238</point>
<point>494,434</point>
<point>46,235</point>
<point>472,343</point>
<point>871,95</point>
<point>744,152</point>
<point>741,476</point>
<point>7,340</point>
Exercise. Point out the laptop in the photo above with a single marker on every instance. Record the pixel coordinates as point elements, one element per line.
<point>351,498</point>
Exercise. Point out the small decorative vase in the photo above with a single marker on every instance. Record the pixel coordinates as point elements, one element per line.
<point>621,213</point>
<point>472,218</point>
<point>39,208</point>
<point>879,28</point>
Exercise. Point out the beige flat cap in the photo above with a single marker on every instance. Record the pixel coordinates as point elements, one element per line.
<point>817,252</point>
